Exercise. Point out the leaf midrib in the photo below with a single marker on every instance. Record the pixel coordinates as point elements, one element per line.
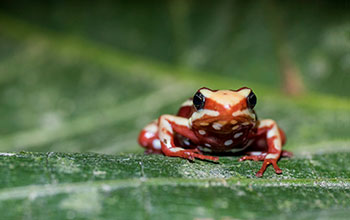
<point>21,192</point>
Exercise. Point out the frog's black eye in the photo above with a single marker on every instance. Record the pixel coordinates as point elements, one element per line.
<point>251,100</point>
<point>198,100</point>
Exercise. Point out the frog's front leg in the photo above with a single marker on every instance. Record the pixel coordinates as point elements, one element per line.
<point>274,139</point>
<point>168,124</point>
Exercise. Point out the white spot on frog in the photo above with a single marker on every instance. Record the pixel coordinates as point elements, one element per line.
<point>186,142</point>
<point>202,132</point>
<point>149,135</point>
<point>217,126</point>
<point>235,127</point>
<point>237,135</point>
<point>204,149</point>
<point>233,122</point>
<point>156,144</point>
<point>228,142</point>
<point>256,153</point>
<point>207,145</point>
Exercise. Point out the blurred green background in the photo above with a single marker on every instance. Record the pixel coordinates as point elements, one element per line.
<point>77,76</point>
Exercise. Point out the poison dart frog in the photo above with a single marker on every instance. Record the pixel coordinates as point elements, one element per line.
<point>217,122</point>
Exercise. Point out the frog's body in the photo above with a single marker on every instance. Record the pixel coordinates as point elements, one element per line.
<point>216,121</point>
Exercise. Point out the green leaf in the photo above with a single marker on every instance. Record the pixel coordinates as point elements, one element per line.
<point>77,93</point>
<point>130,186</point>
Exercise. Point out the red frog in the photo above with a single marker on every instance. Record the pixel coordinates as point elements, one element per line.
<point>217,122</point>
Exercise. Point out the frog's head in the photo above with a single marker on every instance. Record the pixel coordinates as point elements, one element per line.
<point>223,110</point>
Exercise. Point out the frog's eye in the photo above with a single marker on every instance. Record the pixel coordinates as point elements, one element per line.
<point>251,100</point>
<point>198,100</point>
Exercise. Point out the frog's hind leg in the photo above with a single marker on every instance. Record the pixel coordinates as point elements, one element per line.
<point>148,138</point>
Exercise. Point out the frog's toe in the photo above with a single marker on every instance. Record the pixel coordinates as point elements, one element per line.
<point>195,150</point>
<point>267,162</point>
<point>207,157</point>
<point>252,157</point>
<point>191,155</point>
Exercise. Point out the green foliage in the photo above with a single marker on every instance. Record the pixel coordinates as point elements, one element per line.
<point>135,186</point>
<point>237,39</point>
<point>86,91</point>
<point>69,94</point>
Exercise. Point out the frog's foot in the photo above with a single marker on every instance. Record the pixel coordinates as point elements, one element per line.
<point>253,156</point>
<point>274,139</point>
<point>265,164</point>
<point>191,154</point>
<point>267,161</point>
<point>194,150</point>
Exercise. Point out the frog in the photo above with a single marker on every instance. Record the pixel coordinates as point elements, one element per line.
<point>213,123</point>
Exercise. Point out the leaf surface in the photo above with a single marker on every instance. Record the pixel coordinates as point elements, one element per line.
<point>90,186</point>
